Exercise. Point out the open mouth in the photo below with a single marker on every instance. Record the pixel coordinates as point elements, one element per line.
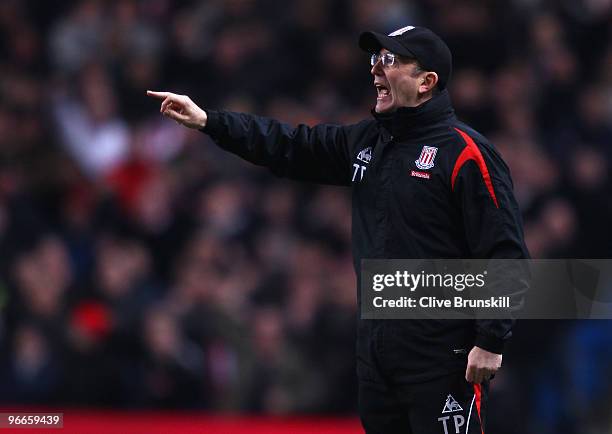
<point>381,91</point>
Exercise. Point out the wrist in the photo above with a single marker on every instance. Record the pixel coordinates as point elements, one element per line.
<point>203,120</point>
<point>490,343</point>
<point>211,122</point>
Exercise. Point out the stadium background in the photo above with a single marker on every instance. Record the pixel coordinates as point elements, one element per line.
<point>142,269</point>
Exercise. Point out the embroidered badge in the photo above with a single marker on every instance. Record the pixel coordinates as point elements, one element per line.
<point>426,159</point>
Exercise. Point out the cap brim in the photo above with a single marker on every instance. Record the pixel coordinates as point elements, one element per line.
<point>372,42</point>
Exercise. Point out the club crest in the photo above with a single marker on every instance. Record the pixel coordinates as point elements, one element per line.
<point>426,159</point>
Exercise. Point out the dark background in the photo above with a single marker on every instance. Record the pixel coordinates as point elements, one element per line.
<point>141,267</point>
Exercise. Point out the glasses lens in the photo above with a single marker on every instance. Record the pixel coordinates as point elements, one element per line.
<point>388,59</point>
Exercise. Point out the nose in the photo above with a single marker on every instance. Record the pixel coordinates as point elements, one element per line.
<point>377,68</point>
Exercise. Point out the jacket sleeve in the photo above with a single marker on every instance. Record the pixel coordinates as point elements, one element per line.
<point>316,154</point>
<point>482,189</point>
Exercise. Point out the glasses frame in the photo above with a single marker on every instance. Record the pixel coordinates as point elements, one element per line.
<point>387,59</point>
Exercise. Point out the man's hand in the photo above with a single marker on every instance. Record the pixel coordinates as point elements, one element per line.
<point>181,108</point>
<point>481,365</point>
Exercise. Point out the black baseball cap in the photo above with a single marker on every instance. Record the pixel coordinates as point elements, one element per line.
<point>418,42</point>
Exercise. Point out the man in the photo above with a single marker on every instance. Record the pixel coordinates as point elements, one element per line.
<point>424,186</point>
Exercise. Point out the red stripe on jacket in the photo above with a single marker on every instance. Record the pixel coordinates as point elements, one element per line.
<point>471,152</point>
<point>478,394</point>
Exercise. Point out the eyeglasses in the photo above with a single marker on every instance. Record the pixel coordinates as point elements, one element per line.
<point>386,59</point>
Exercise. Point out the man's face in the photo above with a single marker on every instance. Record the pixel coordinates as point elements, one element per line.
<point>396,85</point>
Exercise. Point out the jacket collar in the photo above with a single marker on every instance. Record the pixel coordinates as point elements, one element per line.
<point>411,121</point>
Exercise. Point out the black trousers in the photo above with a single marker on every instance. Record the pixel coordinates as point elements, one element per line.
<point>446,405</point>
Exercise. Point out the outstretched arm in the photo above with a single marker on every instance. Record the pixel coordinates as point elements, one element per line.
<point>316,154</point>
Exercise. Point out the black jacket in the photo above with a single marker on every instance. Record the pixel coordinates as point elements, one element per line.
<point>424,185</point>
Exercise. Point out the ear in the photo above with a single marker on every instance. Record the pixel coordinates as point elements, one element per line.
<point>429,80</point>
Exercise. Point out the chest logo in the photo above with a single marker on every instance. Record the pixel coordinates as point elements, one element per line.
<point>426,159</point>
<point>365,155</point>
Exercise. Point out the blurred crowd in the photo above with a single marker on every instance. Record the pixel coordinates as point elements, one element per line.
<point>142,267</point>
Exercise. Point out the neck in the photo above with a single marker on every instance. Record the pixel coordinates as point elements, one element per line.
<point>419,100</point>
<point>407,121</point>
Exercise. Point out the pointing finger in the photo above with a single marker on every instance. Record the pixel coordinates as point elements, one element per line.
<point>158,95</point>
